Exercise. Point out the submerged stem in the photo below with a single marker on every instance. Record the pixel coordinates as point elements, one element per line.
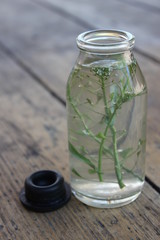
<point>101,148</point>
<point>113,130</point>
<point>116,159</point>
<point>118,97</point>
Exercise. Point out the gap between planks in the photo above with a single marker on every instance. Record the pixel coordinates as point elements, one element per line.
<point>40,81</point>
<point>53,8</point>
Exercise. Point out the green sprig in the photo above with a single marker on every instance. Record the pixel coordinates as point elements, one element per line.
<point>121,93</point>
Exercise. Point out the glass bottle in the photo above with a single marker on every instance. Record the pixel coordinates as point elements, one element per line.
<point>106,106</point>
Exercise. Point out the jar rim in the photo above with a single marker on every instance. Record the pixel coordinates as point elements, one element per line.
<point>105,41</point>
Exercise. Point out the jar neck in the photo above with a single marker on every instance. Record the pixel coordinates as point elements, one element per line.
<point>105,42</point>
<point>88,57</point>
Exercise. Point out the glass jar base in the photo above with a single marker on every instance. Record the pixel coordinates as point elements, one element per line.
<point>104,203</point>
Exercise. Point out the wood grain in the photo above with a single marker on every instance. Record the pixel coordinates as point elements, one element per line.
<point>145,4</point>
<point>34,46</point>
<point>32,137</point>
<point>44,41</point>
<point>116,14</point>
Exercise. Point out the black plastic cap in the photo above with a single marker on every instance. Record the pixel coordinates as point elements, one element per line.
<point>45,191</point>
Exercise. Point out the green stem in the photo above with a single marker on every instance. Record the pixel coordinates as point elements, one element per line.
<point>101,147</point>
<point>105,132</point>
<point>115,151</point>
<point>90,133</point>
<point>105,98</point>
<point>100,156</point>
<point>110,117</point>
<point>116,159</point>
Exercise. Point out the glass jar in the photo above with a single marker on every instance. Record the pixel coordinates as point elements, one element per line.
<point>106,105</point>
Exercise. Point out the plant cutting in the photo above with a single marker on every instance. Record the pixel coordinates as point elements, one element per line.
<point>106,138</point>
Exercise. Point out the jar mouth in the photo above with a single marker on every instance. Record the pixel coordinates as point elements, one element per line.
<point>106,41</point>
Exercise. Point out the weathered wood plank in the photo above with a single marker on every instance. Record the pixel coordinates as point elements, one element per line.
<point>118,15</point>
<point>34,33</point>
<point>33,137</point>
<point>33,41</point>
<point>153,6</point>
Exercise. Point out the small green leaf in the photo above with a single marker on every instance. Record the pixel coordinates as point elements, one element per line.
<point>73,138</point>
<point>103,119</point>
<point>89,101</point>
<point>74,151</point>
<point>83,150</point>
<point>100,135</point>
<point>76,173</point>
<point>85,132</point>
<point>121,134</point>
<point>141,142</point>
<point>138,153</point>
<point>125,153</point>
<point>128,96</point>
<point>86,116</point>
<point>81,133</point>
<point>132,68</point>
<point>99,96</point>
<point>112,96</point>
<point>91,171</point>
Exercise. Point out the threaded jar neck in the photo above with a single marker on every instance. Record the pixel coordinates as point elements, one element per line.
<point>105,41</point>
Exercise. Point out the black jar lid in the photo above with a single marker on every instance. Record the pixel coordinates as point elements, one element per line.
<point>45,191</point>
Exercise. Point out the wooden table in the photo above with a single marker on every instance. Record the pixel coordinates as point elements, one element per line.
<point>37,52</point>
